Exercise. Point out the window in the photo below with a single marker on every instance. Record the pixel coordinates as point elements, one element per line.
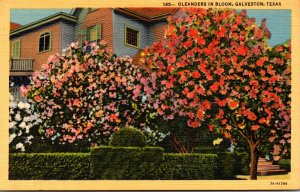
<point>94,33</point>
<point>16,49</point>
<point>45,42</point>
<point>132,37</point>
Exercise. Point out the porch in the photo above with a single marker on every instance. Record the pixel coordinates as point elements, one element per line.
<point>21,67</point>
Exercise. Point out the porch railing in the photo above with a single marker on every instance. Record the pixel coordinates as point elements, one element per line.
<point>21,65</point>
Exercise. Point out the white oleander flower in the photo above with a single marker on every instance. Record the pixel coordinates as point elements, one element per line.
<point>29,125</point>
<point>18,117</point>
<point>27,106</point>
<point>28,139</point>
<point>11,137</point>
<point>26,119</point>
<point>22,125</point>
<point>12,124</point>
<point>12,105</point>
<point>19,146</point>
<point>144,98</point>
<point>21,105</point>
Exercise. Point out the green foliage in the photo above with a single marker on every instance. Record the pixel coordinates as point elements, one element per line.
<point>46,147</point>
<point>226,163</point>
<point>47,166</point>
<point>128,136</point>
<point>40,145</point>
<point>150,163</point>
<point>229,164</point>
<point>187,166</point>
<point>242,161</point>
<point>285,164</point>
<point>124,162</point>
<point>206,149</point>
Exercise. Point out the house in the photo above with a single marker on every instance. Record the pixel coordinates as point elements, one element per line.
<point>32,44</point>
<point>126,30</point>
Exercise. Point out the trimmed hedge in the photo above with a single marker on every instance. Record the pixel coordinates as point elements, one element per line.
<point>58,166</point>
<point>242,162</point>
<point>150,163</point>
<point>226,165</point>
<point>230,164</point>
<point>128,136</point>
<point>46,147</point>
<point>124,162</point>
<point>187,167</point>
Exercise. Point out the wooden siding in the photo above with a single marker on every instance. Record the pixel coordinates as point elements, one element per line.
<point>104,18</point>
<point>79,25</point>
<point>121,20</point>
<point>158,30</point>
<point>67,34</point>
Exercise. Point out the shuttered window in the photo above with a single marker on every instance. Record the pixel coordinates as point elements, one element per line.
<point>94,33</point>
<point>45,42</point>
<point>16,49</point>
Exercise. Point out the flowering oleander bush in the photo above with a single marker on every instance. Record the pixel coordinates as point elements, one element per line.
<point>216,69</point>
<point>84,95</point>
<point>21,124</point>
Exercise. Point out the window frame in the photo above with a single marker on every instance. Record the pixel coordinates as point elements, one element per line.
<point>12,48</point>
<point>50,42</point>
<point>125,37</point>
<point>98,28</point>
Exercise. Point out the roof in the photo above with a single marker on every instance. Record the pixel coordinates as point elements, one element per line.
<point>14,25</point>
<point>52,18</point>
<point>148,14</point>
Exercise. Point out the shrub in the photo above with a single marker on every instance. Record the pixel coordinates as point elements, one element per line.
<point>44,146</point>
<point>47,166</point>
<point>242,161</point>
<point>206,149</point>
<point>85,94</point>
<point>226,166</point>
<point>230,164</point>
<point>285,164</point>
<point>187,166</point>
<point>121,163</point>
<point>128,136</point>
<point>124,162</point>
<point>22,125</point>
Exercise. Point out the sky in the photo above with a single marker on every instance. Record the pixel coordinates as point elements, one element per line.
<point>25,16</point>
<point>278,21</point>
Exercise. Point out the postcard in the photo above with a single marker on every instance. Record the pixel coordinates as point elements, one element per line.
<point>149,95</point>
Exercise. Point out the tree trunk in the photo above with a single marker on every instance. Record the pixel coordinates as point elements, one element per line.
<point>181,147</point>
<point>253,162</point>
